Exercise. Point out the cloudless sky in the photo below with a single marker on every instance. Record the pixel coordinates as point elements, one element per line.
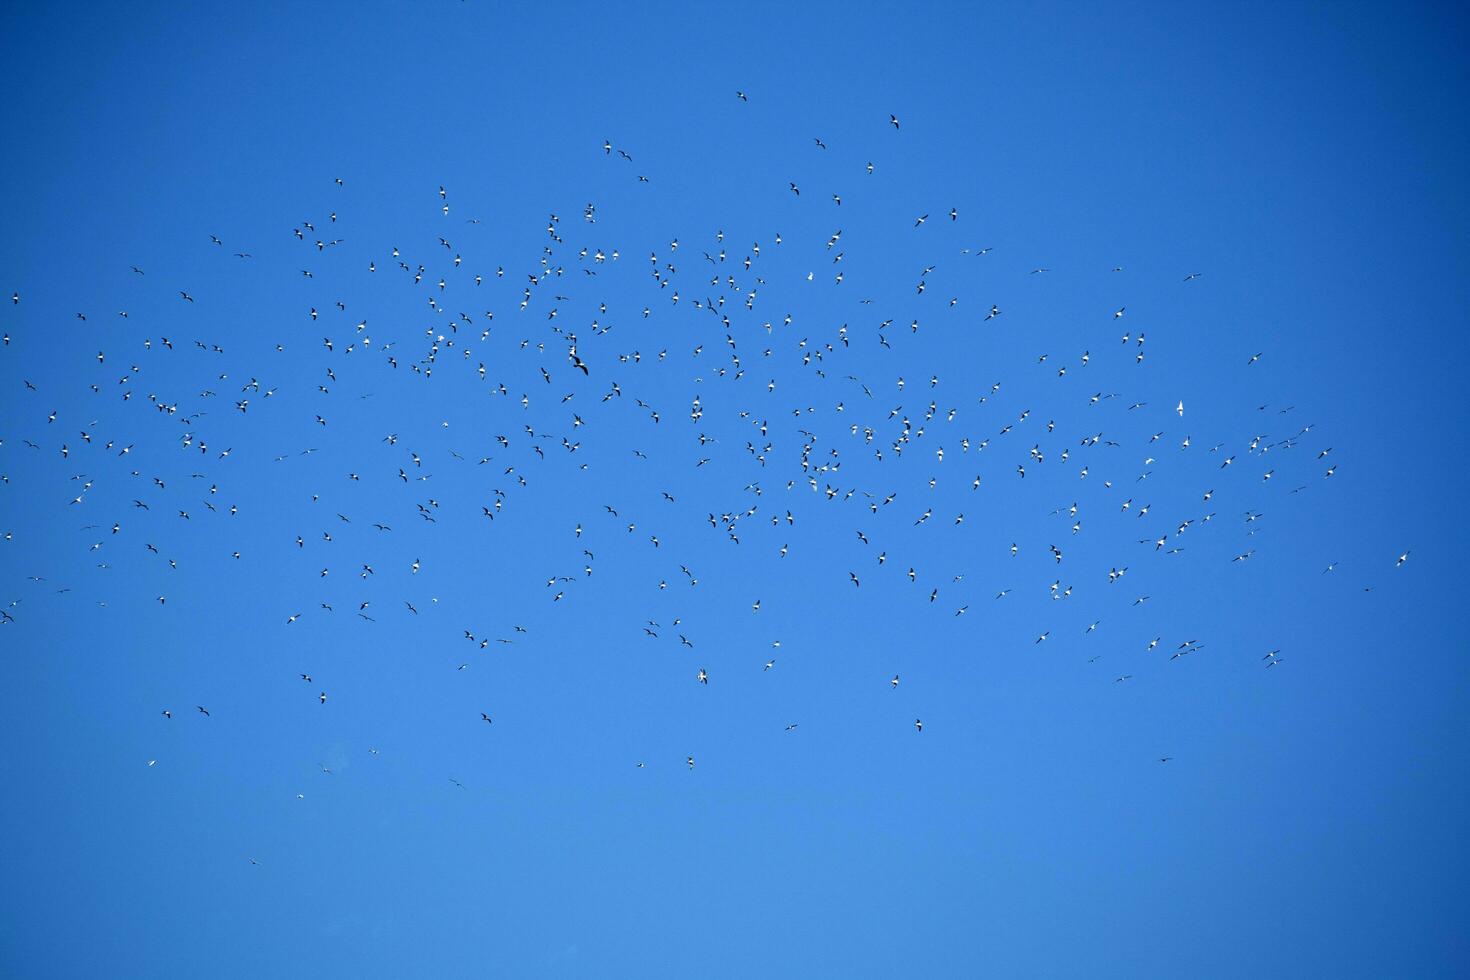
<point>1307,160</point>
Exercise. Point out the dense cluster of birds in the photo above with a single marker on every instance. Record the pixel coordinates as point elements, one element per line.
<point>897,458</point>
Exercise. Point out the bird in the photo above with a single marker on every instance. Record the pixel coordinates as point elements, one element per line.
<point>741,418</point>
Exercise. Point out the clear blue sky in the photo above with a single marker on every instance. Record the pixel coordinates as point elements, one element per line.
<point>1307,160</point>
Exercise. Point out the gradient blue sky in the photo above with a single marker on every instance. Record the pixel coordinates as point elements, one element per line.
<point>1308,159</point>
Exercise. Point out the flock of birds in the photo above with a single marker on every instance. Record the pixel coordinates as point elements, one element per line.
<point>889,456</point>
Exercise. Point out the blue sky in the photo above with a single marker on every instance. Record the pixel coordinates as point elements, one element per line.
<point>1305,160</point>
